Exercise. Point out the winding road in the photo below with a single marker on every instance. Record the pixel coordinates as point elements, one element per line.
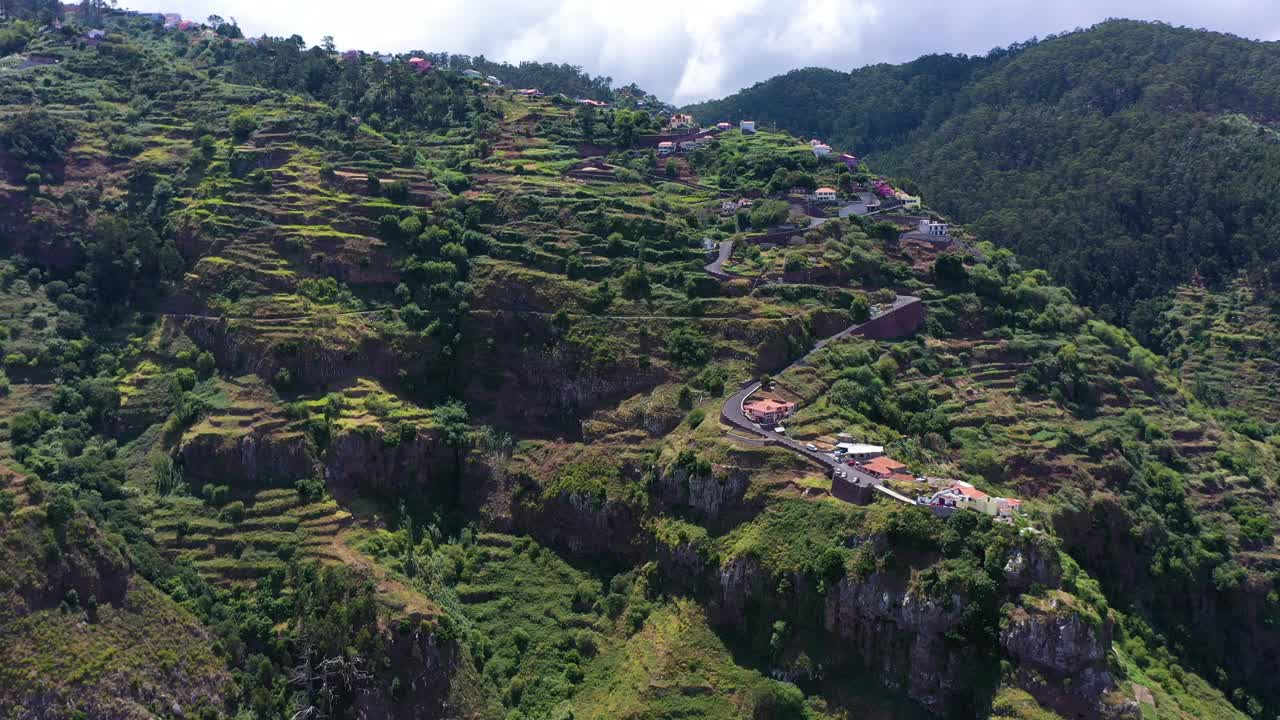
<point>733,414</point>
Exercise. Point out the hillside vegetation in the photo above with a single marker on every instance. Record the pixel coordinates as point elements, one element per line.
<point>1123,158</point>
<point>337,389</point>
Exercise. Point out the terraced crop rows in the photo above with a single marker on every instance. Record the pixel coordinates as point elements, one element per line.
<point>278,524</point>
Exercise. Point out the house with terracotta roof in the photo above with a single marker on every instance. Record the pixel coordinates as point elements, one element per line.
<point>681,120</point>
<point>887,468</point>
<point>825,194</point>
<point>768,411</point>
<point>171,20</point>
<point>961,494</point>
<point>419,64</point>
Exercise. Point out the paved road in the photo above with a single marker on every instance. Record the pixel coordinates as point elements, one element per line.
<point>733,413</point>
<point>716,267</point>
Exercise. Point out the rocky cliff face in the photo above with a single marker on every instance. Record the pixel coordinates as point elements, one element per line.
<point>712,499</point>
<point>436,681</point>
<point>367,462</point>
<point>1062,658</point>
<point>219,457</point>
<point>322,357</point>
<point>580,525</point>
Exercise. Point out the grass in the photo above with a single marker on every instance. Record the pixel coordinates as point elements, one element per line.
<point>135,659</point>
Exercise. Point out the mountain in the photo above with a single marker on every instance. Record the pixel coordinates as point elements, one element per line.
<point>1124,158</point>
<point>336,387</point>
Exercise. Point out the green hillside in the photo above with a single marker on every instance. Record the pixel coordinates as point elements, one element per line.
<point>1123,158</point>
<point>359,391</point>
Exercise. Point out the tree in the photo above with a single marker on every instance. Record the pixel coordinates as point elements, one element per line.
<point>326,43</point>
<point>587,121</point>
<point>635,283</point>
<point>37,136</point>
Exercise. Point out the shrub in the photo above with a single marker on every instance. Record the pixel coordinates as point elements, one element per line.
<point>234,511</point>
<point>37,136</point>
<point>398,191</point>
<point>243,124</point>
<point>688,347</point>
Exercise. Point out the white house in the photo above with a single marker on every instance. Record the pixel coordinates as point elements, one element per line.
<point>825,194</point>
<point>681,120</point>
<point>666,147</point>
<point>723,126</point>
<point>493,80</point>
<point>859,451</point>
<point>688,145</point>
<point>964,495</point>
<point>747,126</point>
<point>821,150</point>
<point>473,74</point>
<point>96,34</point>
<point>728,207</point>
<point>385,58</point>
<point>910,202</point>
<point>934,229</point>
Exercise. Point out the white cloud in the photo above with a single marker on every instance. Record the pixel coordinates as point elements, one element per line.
<point>688,51</point>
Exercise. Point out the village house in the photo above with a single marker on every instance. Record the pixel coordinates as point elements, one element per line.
<point>473,74</point>
<point>666,147</point>
<point>887,468</point>
<point>419,64</point>
<point>688,145</point>
<point>910,202</point>
<point>964,495</point>
<point>768,412</point>
<point>821,150</point>
<point>492,79</point>
<point>850,161</point>
<point>593,103</point>
<point>747,126</point>
<point>825,194</point>
<point>861,452</point>
<point>171,20</point>
<point>934,229</point>
<point>96,34</point>
<point>745,203</point>
<point>681,120</point>
<point>530,92</point>
<point>351,57</point>
<point>722,126</point>
<point>728,207</point>
<point>385,58</point>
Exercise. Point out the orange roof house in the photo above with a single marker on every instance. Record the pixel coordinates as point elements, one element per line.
<point>767,410</point>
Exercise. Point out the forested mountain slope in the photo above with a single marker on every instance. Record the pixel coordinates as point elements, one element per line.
<point>335,388</point>
<point>1123,158</point>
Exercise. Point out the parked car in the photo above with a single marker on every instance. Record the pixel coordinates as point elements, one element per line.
<point>812,447</point>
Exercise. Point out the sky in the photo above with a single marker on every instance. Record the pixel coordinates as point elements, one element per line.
<point>686,51</point>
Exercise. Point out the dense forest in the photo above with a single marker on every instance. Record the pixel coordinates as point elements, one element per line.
<point>1125,158</point>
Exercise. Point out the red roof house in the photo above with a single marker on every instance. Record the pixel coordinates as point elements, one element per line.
<point>768,411</point>
<point>886,467</point>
